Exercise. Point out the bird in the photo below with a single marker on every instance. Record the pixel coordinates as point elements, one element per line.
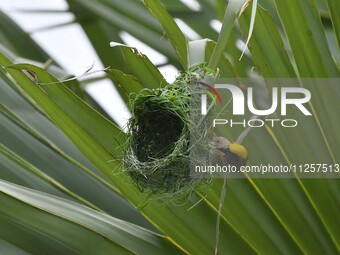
<point>223,152</point>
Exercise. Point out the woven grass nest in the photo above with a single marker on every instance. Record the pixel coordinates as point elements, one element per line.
<point>159,151</point>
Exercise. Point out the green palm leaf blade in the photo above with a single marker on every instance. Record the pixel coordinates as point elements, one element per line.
<point>334,6</point>
<point>127,85</point>
<point>59,219</point>
<point>8,248</point>
<point>309,45</point>
<point>141,67</point>
<point>55,156</point>
<point>81,112</point>
<point>266,45</point>
<point>173,32</point>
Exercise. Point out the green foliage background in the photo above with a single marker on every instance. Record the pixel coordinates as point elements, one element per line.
<point>61,187</point>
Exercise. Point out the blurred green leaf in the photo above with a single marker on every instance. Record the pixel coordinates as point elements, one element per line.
<point>10,33</point>
<point>23,128</point>
<point>173,32</point>
<point>125,84</point>
<point>266,45</point>
<point>58,219</point>
<point>232,10</point>
<point>141,67</point>
<point>333,7</point>
<point>307,40</point>
<point>94,124</point>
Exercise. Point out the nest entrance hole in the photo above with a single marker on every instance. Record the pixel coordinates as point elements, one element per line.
<point>157,131</point>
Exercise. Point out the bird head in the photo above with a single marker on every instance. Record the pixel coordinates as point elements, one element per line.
<point>224,152</point>
<point>236,153</point>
